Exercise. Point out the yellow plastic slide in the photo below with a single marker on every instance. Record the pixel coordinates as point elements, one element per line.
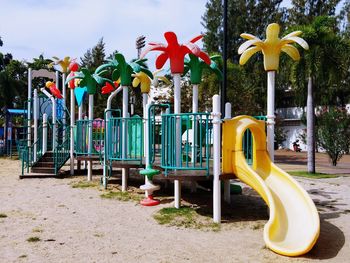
<point>294,224</point>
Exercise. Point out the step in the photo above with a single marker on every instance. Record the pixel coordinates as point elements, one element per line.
<point>39,175</point>
<point>42,163</point>
<point>43,170</point>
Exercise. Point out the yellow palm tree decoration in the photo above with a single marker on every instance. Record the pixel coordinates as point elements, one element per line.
<point>144,79</point>
<point>64,63</point>
<point>271,47</point>
<point>157,78</point>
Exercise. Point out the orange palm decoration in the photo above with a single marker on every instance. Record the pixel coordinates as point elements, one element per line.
<point>176,52</point>
<point>53,89</point>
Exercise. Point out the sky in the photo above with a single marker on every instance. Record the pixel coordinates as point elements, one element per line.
<point>69,27</point>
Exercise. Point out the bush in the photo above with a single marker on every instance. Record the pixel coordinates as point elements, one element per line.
<point>334,133</point>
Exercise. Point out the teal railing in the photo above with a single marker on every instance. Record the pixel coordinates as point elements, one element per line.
<point>154,130</point>
<point>26,154</point>
<point>192,152</point>
<point>84,127</point>
<point>248,142</point>
<point>125,139</point>
<point>62,150</point>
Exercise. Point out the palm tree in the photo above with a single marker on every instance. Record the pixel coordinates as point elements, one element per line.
<point>322,67</point>
<point>176,52</point>
<point>271,49</point>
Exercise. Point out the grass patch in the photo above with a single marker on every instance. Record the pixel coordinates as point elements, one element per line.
<point>313,176</point>
<point>3,215</point>
<point>122,196</point>
<point>184,217</point>
<point>34,239</point>
<point>84,184</point>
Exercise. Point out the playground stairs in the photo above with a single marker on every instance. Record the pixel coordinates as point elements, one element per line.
<point>45,167</point>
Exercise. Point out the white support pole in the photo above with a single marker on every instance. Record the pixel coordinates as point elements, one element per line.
<point>91,118</point>
<point>124,138</point>
<point>29,123</point>
<point>72,123</point>
<point>216,159</point>
<point>64,95</point>
<point>108,116</point>
<point>146,136</point>
<point>54,116</point>
<point>271,113</point>
<point>44,133</point>
<point>145,124</point>
<point>35,118</point>
<point>80,117</point>
<point>194,123</point>
<point>227,188</point>
<point>177,110</point>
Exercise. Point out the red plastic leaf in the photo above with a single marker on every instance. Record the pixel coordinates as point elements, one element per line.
<point>161,59</point>
<point>195,39</point>
<point>171,38</point>
<point>192,48</point>
<point>108,88</point>
<point>204,56</point>
<point>160,47</point>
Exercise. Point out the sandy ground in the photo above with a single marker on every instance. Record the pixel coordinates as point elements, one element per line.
<point>77,225</point>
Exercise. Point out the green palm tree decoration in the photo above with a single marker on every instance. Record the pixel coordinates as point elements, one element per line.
<point>271,48</point>
<point>196,67</point>
<point>90,81</point>
<point>124,70</point>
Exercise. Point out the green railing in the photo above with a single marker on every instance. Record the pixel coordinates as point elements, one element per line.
<point>248,142</point>
<point>27,154</point>
<point>154,130</point>
<point>84,127</point>
<point>193,150</point>
<point>125,139</point>
<point>62,151</point>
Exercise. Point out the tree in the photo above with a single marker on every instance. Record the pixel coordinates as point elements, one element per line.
<point>334,133</point>
<point>94,57</point>
<point>319,69</point>
<point>253,17</point>
<point>303,12</point>
<point>1,43</point>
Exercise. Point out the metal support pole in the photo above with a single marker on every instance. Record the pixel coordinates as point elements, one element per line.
<point>44,133</point>
<point>177,110</point>
<point>64,95</point>
<point>224,55</point>
<point>271,113</point>
<point>29,124</point>
<point>227,185</point>
<point>91,118</point>
<point>125,171</point>
<point>72,123</point>
<point>108,116</point>
<point>216,159</point>
<point>35,118</point>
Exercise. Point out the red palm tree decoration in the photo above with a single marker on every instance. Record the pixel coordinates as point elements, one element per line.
<point>176,52</point>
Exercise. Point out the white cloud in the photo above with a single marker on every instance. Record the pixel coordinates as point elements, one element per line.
<point>60,28</point>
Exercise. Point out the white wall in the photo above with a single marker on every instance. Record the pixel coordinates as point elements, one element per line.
<point>293,134</point>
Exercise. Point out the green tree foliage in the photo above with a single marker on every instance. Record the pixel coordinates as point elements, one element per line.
<point>12,81</point>
<point>324,62</point>
<point>304,12</point>
<point>94,57</point>
<point>253,17</point>
<point>334,133</point>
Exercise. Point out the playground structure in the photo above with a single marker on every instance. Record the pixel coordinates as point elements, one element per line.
<point>170,145</point>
